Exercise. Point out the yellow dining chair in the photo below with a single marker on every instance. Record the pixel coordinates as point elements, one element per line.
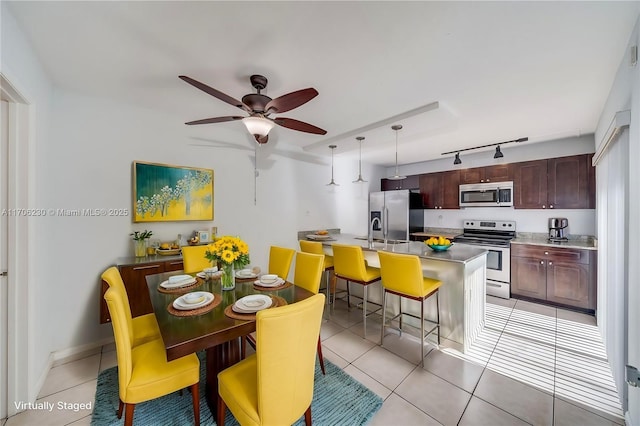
<point>194,260</point>
<point>280,261</point>
<point>274,386</point>
<point>349,264</point>
<point>315,247</point>
<point>402,275</point>
<point>143,371</point>
<point>142,328</point>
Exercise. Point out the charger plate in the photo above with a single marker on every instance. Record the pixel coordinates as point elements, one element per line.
<point>217,299</point>
<point>277,301</point>
<point>181,290</point>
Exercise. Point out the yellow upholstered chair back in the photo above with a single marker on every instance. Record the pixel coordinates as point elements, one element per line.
<point>315,247</point>
<point>308,271</point>
<point>280,259</point>
<point>402,273</point>
<point>194,260</point>
<point>112,277</point>
<point>122,335</point>
<point>286,356</point>
<point>348,262</point>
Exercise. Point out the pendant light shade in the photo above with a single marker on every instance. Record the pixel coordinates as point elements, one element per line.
<point>498,153</point>
<point>258,126</point>
<point>396,176</point>
<point>457,160</point>
<point>360,180</point>
<point>332,183</point>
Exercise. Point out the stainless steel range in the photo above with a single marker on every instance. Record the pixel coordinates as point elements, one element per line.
<point>495,236</point>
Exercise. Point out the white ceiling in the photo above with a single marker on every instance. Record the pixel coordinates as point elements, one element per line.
<point>497,70</point>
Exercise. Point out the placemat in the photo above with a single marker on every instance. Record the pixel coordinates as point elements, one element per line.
<point>277,301</point>
<point>286,284</point>
<point>181,290</point>
<point>217,299</point>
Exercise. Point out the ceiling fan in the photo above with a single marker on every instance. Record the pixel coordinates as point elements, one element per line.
<point>259,107</point>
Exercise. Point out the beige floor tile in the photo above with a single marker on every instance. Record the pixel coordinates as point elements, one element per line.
<point>580,338</point>
<point>372,384</point>
<point>3,421</point>
<point>71,374</point>
<point>64,411</point>
<point>335,359</point>
<point>329,329</point>
<point>536,308</point>
<point>384,366</point>
<point>344,316</point>
<point>406,345</point>
<point>576,317</point>
<point>108,360</point>
<point>397,411</point>
<point>506,303</point>
<point>108,347</point>
<point>454,370</point>
<point>85,421</point>
<point>374,323</point>
<point>481,413</point>
<point>565,414</point>
<point>348,345</point>
<point>75,357</point>
<point>523,401</point>
<point>435,396</point>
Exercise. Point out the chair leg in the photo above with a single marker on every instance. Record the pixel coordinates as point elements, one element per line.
<point>222,411</point>
<point>348,296</point>
<point>438,313</point>
<point>120,407</point>
<point>128,414</point>
<point>384,311</point>
<point>195,394</point>
<point>320,355</point>
<point>243,347</point>
<point>364,311</point>
<point>422,332</point>
<point>307,417</point>
<point>328,286</point>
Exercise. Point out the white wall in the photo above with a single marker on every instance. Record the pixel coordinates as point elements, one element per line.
<point>581,222</point>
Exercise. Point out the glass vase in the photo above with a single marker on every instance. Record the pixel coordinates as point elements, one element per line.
<point>140,248</point>
<point>228,278</point>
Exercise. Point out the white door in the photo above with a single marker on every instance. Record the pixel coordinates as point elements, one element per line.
<point>4,124</point>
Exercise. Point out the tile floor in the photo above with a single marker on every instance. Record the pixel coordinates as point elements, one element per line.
<point>533,364</point>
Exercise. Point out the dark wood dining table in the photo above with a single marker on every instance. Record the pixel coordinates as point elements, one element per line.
<point>213,331</point>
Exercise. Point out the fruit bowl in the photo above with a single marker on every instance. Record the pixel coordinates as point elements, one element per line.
<point>436,247</point>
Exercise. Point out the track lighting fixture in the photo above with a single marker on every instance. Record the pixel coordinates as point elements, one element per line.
<point>498,153</point>
<point>332,183</point>
<point>360,180</point>
<point>396,176</point>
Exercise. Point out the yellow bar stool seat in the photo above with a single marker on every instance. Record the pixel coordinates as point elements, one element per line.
<point>142,328</point>
<point>315,247</point>
<point>193,259</point>
<point>402,276</point>
<point>349,264</point>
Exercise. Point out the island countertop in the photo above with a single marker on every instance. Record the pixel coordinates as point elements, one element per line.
<point>456,253</point>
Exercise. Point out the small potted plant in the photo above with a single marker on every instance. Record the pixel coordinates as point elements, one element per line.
<point>140,242</point>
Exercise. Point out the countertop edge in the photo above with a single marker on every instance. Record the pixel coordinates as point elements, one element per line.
<point>580,245</point>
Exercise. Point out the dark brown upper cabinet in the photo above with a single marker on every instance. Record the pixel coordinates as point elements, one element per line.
<point>497,173</point>
<point>411,182</point>
<point>440,190</point>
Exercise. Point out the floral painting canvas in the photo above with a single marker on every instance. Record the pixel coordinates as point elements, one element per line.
<point>163,193</point>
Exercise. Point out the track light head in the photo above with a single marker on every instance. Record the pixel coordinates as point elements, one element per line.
<point>457,159</point>
<point>498,153</point>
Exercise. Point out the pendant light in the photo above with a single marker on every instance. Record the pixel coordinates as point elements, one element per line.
<point>332,181</point>
<point>360,180</point>
<point>396,127</point>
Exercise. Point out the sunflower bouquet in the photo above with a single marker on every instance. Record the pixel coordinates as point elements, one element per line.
<point>230,253</point>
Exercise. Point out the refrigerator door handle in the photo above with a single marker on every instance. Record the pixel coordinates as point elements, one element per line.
<point>385,226</point>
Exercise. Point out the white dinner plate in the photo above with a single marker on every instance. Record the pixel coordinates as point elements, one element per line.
<point>252,303</point>
<point>181,305</point>
<point>244,274</point>
<point>203,275</point>
<point>318,237</point>
<point>275,283</point>
<point>165,284</point>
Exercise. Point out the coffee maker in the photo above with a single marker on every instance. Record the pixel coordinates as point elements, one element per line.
<point>558,229</point>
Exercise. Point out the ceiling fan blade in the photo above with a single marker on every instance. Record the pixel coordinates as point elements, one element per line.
<point>215,120</point>
<point>261,139</point>
<point>215,93</point>
<point>291,100</point>
<point>300,126</point>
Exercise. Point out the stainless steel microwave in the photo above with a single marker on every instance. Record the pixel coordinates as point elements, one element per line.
<point>493,194</point>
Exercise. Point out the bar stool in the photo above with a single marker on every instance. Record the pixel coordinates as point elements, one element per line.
<point>402,275</point>
<point>315,247</point>
<point>349,264</point>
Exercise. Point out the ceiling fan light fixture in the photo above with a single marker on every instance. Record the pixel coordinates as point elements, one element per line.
<point>498,153</point>
<point>258,126</point>
<point>457,160</point>
<point>396,176</point>
<point>360,179</point>
<point>333,182</point>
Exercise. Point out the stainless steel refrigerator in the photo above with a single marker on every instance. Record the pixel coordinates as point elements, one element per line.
<point>399,213</point>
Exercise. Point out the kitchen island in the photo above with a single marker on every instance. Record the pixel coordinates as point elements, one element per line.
<point>462,270</point>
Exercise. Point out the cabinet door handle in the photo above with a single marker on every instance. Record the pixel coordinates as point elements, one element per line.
<point>481,180</point>
<point>550,206</point>
<point>175,263</point>
<point>542,262</point>
<point>550,263</point>
<point>139,268</point>
<point>488,180</point>
<point>544,207</point>
<point>546,252</point>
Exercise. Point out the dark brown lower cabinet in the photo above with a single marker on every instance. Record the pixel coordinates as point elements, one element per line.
<point>565,276</point>
<point>134,277</point>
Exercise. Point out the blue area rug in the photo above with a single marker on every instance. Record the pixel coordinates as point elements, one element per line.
<point>338,399</point>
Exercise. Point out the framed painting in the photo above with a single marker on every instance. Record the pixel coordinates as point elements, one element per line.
<point>165,193</point>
